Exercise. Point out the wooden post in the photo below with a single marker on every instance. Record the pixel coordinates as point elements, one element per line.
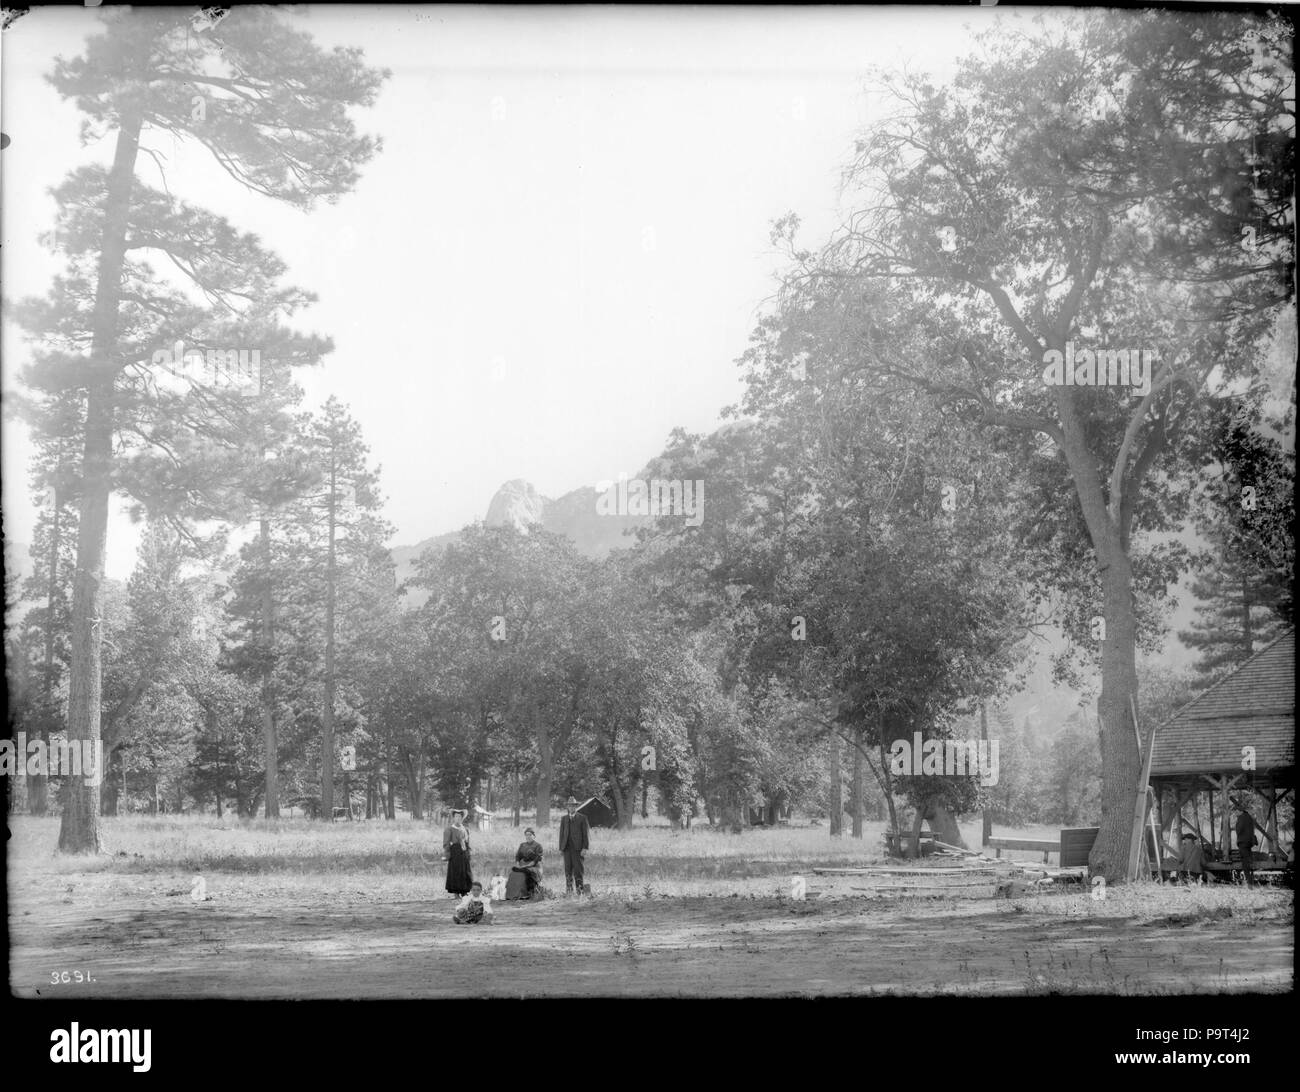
<point>1139,806</point>
<point>1157,843</point>
<point>1225,817</point>
<point>1210,797</point>
<point>1273,847</point>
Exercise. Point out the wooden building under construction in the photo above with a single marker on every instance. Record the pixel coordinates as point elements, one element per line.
<point>1232,747</point>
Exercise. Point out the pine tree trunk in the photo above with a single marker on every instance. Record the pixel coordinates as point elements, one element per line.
<point>390,799</point>
<point>732,814</point>
<point>270,745</point>
<point>110,794</point>
<point>856,803</point>
<point>414,787</point>
<point>80,830</point>
<point>38,786</point>
<point>888,789</point>
<point>546,769</point>
<point>987,815</point>
<point>327,718</point>
<point>837,790</point>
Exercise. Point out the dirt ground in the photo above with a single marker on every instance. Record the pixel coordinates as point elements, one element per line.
<point>148,938</point>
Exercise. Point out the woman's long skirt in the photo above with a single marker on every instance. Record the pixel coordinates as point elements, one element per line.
<point>459,876</point>
<point>524,882</point>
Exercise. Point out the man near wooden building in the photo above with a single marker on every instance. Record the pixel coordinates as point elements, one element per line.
<point>1246,844</point>
<point>1191,859</point>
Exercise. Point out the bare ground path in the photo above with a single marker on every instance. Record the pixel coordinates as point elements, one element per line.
<point>150,940</point>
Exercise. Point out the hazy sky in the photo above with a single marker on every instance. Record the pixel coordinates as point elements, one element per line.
<point>563,246</point>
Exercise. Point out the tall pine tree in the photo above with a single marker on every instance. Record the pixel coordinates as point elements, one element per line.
<point>271,107</point>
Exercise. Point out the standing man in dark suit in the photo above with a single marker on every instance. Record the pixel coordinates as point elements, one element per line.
<point>1246,844</point>
<point>573,844</point>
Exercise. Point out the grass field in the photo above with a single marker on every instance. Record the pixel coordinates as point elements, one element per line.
<point>299,909</point>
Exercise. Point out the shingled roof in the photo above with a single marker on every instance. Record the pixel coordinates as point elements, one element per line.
<point>1254,706</point>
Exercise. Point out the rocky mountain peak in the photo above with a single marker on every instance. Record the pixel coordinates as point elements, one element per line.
<point>515,504</point>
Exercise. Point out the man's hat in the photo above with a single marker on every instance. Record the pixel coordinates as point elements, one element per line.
<point>569,801</point>
<point>529,830</point>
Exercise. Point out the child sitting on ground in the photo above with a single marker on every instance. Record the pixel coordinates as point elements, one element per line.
<point>474,908</point>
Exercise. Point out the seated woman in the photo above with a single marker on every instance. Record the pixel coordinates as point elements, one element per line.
<point>528,866</point>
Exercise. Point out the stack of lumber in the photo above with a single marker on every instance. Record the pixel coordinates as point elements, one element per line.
<point>963,873</point>
<point>974,880</point>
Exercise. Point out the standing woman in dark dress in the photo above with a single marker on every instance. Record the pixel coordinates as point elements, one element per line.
<point>455,847</point>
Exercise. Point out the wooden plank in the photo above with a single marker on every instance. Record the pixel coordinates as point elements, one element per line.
<point>992,881</point>
<point>1140,804</point>
<point>1161,850</point>
<point>956,849</point>
<point>904,871</point>
<point>990,886</point>
<point>1037,845</point>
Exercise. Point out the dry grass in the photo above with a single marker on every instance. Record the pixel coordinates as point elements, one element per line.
<point>657,857</point>
<point>348,898</point>
<point>403,860</point>
<point>1171,904</point>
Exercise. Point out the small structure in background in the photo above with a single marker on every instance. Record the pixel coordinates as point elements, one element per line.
<point>598,813</point>
<point>1233,747</point>
<point>480,817</point>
